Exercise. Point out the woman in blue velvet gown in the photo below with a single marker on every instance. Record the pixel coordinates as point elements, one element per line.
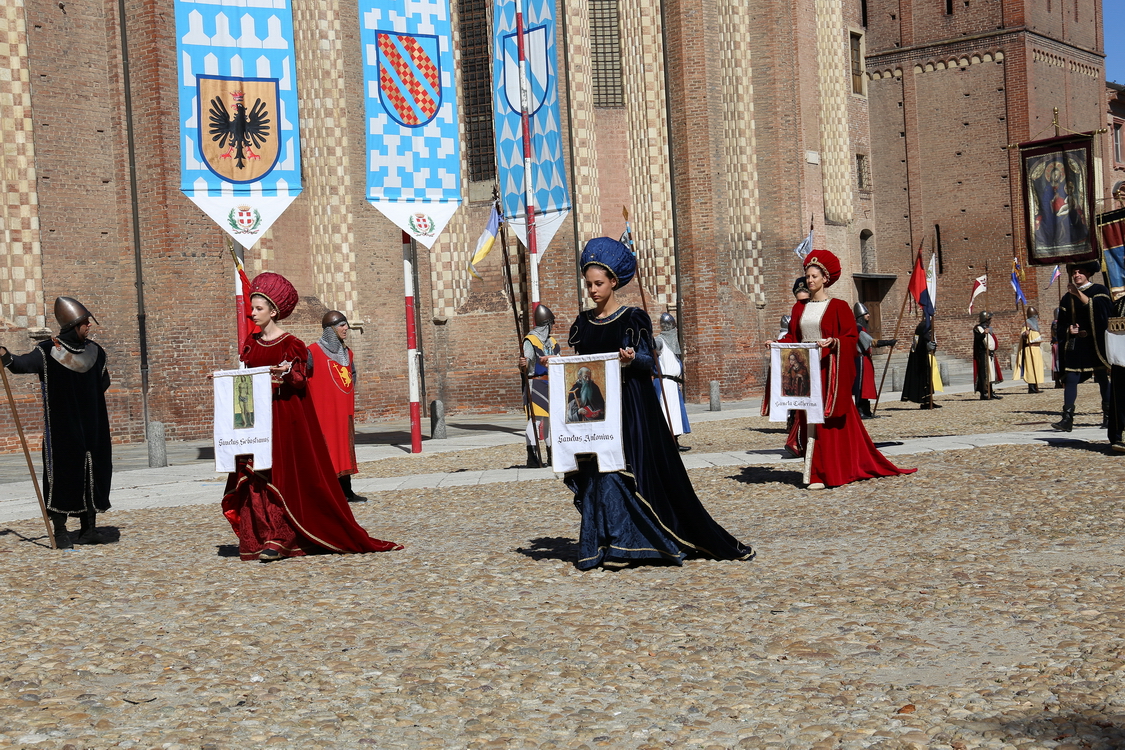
<point>650,512</point>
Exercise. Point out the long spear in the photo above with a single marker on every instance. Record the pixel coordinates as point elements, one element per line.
<point>894,339</point>
<point>27,455</point>
<point>628,237</point>
<point>525,382</point>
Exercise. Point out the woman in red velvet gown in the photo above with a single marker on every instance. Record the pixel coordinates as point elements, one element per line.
<point>839,451</point>
<point>297,507</point>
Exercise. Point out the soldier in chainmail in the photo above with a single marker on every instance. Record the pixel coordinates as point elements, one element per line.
<point>77,453</point>
<point>331,371</point>
<point>538,346</point>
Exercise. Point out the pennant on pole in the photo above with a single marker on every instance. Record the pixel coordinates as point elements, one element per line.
<point>1017,273</point>
<point>413,145</point>
<point>980,286</point>
<point>931,279</point>
<point>919,290</point>
<point>487,240</point>
<point>1054,275</point>
<point>804,248</point>
<point>240,154</point>
<point>551,196</point>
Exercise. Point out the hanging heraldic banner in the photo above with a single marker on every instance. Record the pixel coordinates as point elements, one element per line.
<point>795,381</point>
<point>548,172</point>
<point>413,143</point>
<point>243,417</point>
<point>240,155</point>
<point>586,411</point>
<point>1058,192</point>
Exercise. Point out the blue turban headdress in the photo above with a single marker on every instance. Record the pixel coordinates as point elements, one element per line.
<point>611,255</point>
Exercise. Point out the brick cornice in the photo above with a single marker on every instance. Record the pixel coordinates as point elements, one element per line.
<point>961,45</point>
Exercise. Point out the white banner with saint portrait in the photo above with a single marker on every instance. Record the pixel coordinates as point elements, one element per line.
<point>243,417</point>
<point>586,411</point>
<point>795,381</point>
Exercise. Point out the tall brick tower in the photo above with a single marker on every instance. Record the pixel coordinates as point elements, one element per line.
<point>952,82</point>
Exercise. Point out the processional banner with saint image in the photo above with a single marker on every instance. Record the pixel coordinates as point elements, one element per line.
<point>240,153</point>
<point>795,381</point>
<point>586,411</point>
<point>1058,190</point>
<point>243,417</point>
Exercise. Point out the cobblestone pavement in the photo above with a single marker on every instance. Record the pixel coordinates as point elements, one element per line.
<point>976,604</point>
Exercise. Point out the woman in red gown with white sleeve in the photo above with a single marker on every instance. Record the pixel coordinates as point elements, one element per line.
<point>297,507</point>
<point>839,451</point>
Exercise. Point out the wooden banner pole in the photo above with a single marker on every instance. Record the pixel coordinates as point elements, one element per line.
<point>27,455</point>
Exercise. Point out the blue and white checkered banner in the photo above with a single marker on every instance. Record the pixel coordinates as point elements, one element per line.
<point>552,199</point>
<point>240,154</point>
<point>413,145</point>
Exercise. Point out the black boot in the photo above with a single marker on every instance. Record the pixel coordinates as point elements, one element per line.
<point>863,405</point>
<point>89,533</point>
<point>1066,424</point>
<point>1105,416</point>
<point>62,536</point>
<point>532,458</point>
<point>349,495</point>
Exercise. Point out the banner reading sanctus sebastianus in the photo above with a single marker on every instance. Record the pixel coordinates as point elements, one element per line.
<point>413,144</point>
<point>240,155</point>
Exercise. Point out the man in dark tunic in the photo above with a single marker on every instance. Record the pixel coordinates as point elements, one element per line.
<point>986,370</point>
<point>77,455</point>
<point>1084,313</point>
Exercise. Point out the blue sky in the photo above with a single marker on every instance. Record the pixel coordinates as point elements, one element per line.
<point>1113,20</point>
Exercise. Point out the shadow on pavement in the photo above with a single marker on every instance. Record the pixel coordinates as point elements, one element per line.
<point>1078,444</point>
<point>1072,729</point>
<point>551,548</point>
<point>766,475</point>
<point>226,550</point>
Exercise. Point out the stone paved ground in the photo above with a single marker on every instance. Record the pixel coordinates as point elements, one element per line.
<point>978,603</point>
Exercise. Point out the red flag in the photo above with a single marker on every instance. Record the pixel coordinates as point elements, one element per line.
<point>919,289</point>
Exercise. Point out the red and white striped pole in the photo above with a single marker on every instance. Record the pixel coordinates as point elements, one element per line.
<point>243,325</point>
<point>412,347</point>
<point>528,184</point>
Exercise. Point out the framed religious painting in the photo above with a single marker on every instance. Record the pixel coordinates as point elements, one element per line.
<point>243,417</point>
<point>586,411</point>
<point>1058,191</point>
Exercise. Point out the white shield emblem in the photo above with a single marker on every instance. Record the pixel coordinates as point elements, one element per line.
<point>538,73</point>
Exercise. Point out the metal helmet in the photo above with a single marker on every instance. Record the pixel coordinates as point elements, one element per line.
<point>860,309</point>
<point>667,321</point>
<point>69,312</point>
<point>333,318</point>
<point>985,317</point>
<point>785,322</point>
<point>543,316</point>
<point>1032,312</point>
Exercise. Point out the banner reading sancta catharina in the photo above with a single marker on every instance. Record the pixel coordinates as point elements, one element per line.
<point>552,199</point>
<point>240,154</point>
<point>413,145</point>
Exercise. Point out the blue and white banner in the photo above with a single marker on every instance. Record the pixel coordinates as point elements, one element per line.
<point>413,144</point>
<point>551,197</point>
<point>240,154</point>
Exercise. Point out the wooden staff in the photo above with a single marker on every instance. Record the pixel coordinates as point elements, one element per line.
<point>525,382</point>
<point>644,306</point>
<point>27,455</point>
<point>894,339</point>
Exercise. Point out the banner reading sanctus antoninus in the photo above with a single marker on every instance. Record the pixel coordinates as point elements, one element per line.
<point>240,154</point>
<point>413,144</point>
<point>552,199</point>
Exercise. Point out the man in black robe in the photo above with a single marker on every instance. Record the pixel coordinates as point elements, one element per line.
<point>77,454</point>
<point>1083,316</point>
<point>986,371</point>
<point>918,383</point>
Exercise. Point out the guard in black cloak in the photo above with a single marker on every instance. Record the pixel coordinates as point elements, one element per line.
<point>1083,316</point>
<point>77,453</point>
<point>918,383</point>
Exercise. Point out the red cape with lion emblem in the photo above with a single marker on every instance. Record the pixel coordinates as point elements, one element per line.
<point>333,395</point>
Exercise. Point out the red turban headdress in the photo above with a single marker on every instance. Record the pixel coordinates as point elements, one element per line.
<point>277,289</point>
<point>827,262</point>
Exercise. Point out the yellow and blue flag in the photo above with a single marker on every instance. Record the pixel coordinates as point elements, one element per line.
<point>486,241</point>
